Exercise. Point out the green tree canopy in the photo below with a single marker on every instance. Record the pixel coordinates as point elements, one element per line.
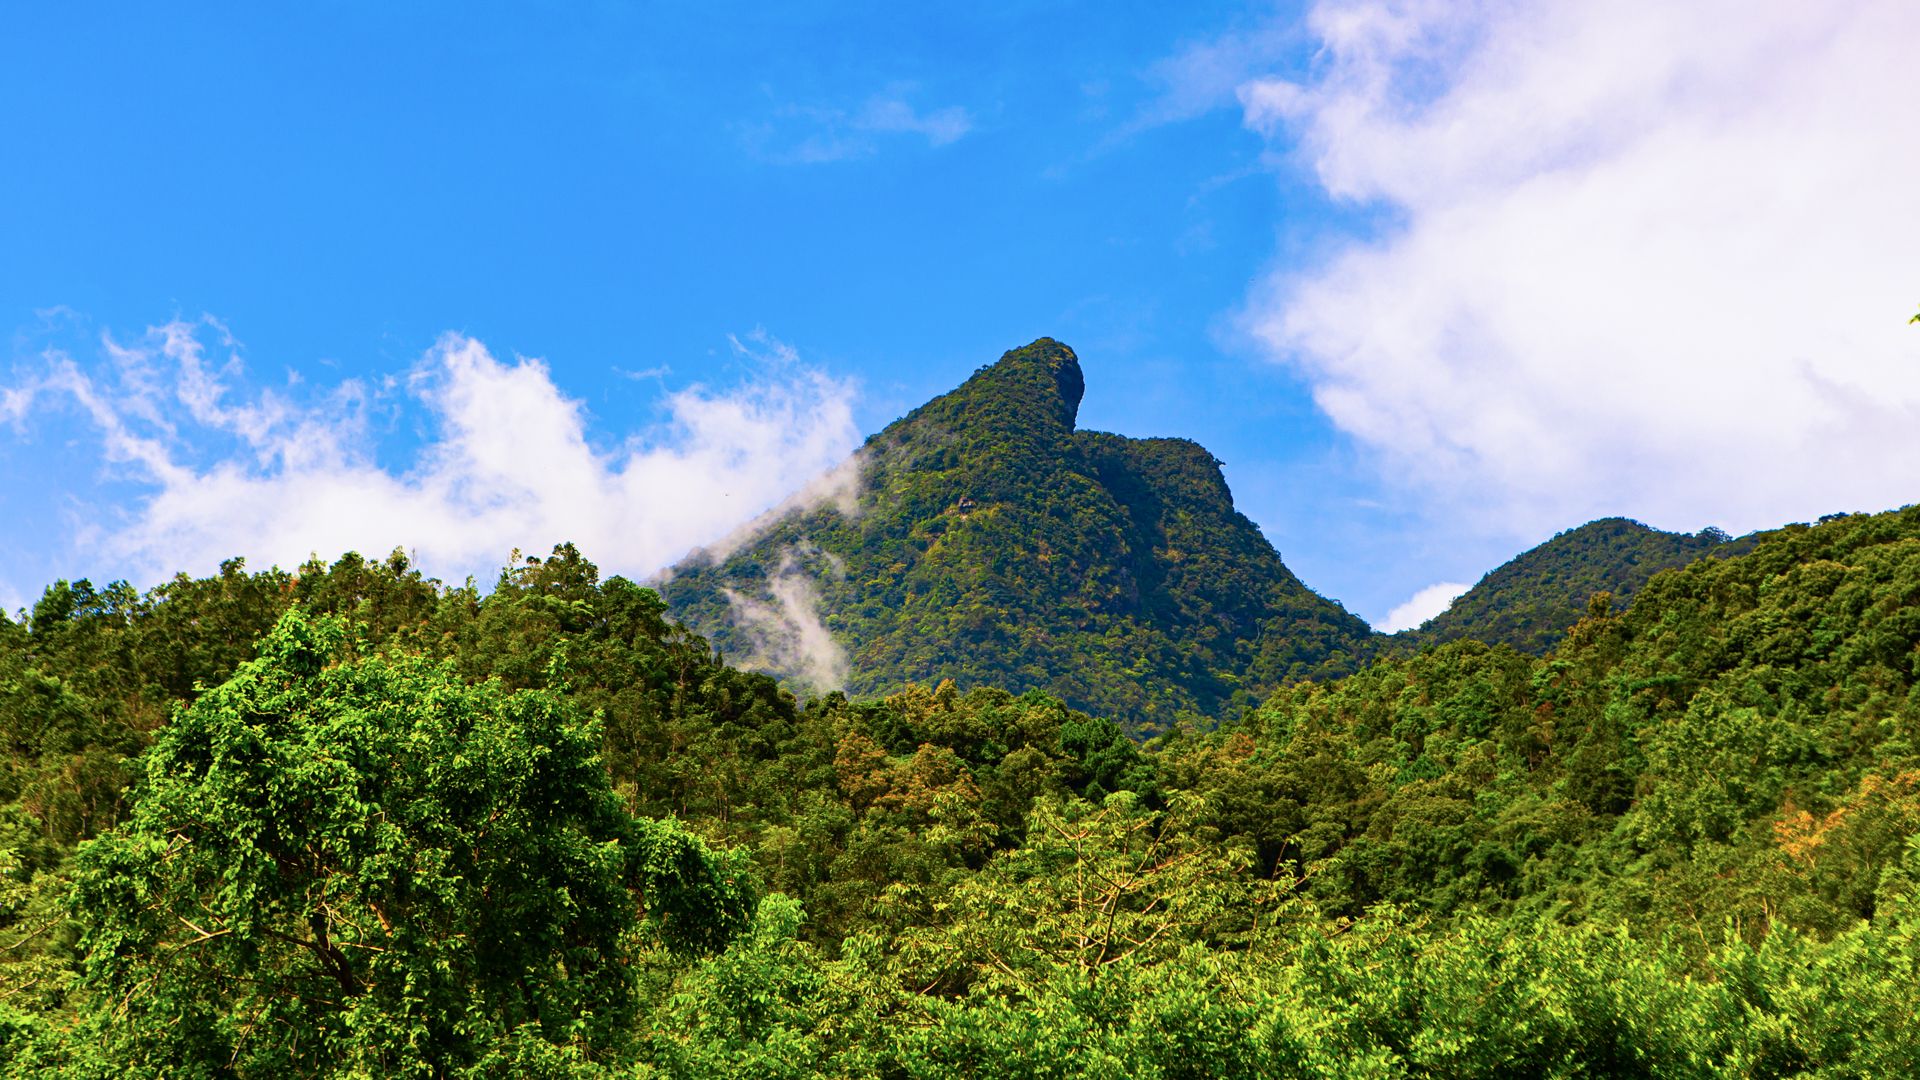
<point>366,866</point>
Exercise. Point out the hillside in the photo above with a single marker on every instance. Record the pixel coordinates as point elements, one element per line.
<point>382,826</point>
<point>1740,744</point>
<point>1531,600</point>
<point>992,543</point>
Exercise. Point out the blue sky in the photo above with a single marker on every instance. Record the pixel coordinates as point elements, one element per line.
<point>268,271</point>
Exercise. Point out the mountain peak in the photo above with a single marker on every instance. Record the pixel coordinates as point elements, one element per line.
<point>996,545</point>
<point>1045,371</point>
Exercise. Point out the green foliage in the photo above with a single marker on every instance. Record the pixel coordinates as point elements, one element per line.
<point>1382,997</point>
<point>34,961</point>
<point>1742,744</point>
<point>1530,601</point>
<point>372,868</point>
<point>547,832</point>
<point>992,544</point>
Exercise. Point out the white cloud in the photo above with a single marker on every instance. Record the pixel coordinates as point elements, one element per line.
<point>508,461</point>
<point>1421,606</point>
<point>812,135</point>
<point>14,403</point>
<point>838,488</point>
<point>1647,258</point>
<point>784,627</point>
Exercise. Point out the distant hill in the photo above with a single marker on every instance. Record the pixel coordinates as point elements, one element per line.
<point>987,541</point>
<point>1530,601</point>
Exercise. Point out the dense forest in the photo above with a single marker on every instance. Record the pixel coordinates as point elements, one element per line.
<point>348,821</point>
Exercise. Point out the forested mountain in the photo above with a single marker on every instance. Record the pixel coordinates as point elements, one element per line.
<point>985,539</point>
<point>542,832</point>
<point>1531,600</point>
<point>992,543</point>
<point>348,821</point>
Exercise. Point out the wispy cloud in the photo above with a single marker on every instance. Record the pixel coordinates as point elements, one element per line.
<point>1649,258</point>
<point>508,460</point>
<point>886,114</point>
<point>783,626</point>
<point>1206,74</point>
<point>813,134</point>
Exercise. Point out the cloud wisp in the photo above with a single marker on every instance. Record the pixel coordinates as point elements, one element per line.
<point>1645,258</point>
<point>1206,74</point>
<point>784,627</point>
<point>814,135</point>
<point>506,460</point>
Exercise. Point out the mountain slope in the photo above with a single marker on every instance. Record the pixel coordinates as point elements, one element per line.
<point>992,543</point>
<point>1531,600</point>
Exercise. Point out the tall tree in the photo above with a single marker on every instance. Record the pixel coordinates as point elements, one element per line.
<point>370,867</point>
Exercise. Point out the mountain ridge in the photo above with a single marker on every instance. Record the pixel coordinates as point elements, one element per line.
<point>984,537</point>
<point>996,543</point>
<point>1530,601</point>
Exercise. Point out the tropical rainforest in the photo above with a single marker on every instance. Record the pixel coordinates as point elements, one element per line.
<point>1109,794</point>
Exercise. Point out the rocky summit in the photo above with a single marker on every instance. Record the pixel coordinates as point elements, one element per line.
<point>983,538</point>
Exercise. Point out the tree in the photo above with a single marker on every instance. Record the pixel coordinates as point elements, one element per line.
<point>369,867</point>
<point>1092,887</point>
